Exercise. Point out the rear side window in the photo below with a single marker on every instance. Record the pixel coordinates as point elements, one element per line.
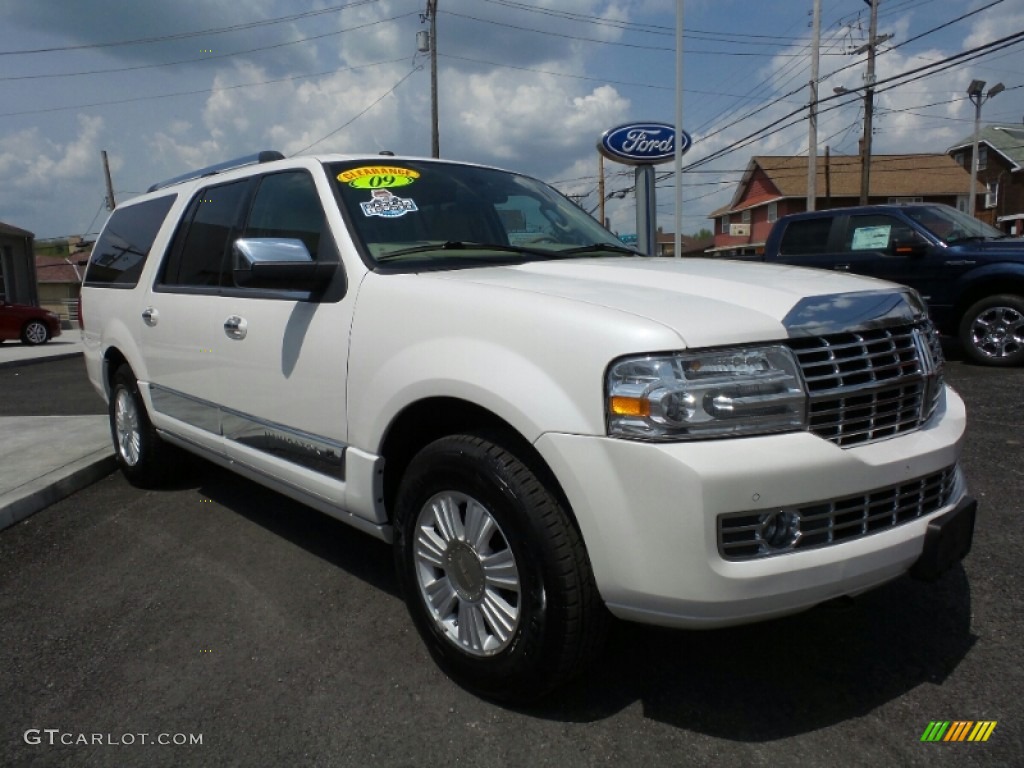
<point>806,237</point>
<point>120,254</point>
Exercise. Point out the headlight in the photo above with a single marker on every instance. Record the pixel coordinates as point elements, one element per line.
<point>695,395</point>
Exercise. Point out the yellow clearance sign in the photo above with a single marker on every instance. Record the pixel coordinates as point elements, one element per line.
<point>378,177</point>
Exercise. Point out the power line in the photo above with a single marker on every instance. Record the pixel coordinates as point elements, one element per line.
<point>388,92</point>
<point>653,29</point>
<point>188,35</point>
<point>841,69</point>
<point>919,72</point>
<point>204,90</point>
<point>211,57</point>
<point>670,49</point>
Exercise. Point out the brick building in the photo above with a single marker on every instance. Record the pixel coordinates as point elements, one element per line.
<point>774,186</point>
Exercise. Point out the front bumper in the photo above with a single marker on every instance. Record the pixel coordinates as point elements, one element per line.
<point>648,513</point>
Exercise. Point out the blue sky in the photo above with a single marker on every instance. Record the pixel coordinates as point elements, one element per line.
<point>524,84</point>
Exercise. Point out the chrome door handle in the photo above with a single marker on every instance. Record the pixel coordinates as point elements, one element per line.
<point>842,267</point>
<point>150,316</point>
<point>236,327</point>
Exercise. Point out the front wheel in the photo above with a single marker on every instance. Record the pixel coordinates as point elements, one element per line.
<point>140,452</point>
<point>35,332</point>
<point>494,573</point>
<point>992,331</point>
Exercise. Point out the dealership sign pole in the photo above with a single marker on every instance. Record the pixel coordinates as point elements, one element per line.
<point>677,242</point>
<point>643,145</point>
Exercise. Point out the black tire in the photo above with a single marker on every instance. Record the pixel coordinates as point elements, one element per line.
<point>559,621</point>
<point>35,333</point>
<point>992,331</point>
<point>141,455</point>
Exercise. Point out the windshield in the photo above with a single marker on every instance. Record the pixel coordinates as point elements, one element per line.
<point>952,226</point>
<point>416,214</point>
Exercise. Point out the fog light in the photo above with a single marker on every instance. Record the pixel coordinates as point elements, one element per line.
<point>778,530</point>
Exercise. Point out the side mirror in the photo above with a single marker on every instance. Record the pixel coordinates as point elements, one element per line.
<point>282,263</point>
<point>909,242</point>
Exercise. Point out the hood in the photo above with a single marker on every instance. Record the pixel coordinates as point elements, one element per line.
<point>706,302</point>
<point>1003,249</point>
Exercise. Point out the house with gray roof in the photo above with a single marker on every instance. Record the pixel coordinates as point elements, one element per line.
<point>1001,171</point>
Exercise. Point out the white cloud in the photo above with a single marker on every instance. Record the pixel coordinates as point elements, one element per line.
<point>47,181</point>
<point>533,115</point>
<point>36,165</point>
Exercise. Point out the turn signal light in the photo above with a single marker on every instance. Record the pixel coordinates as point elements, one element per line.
<point>629,406</point>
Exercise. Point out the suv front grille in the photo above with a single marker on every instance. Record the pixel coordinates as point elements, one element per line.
<point>745,535</point>
<point>870,385</point>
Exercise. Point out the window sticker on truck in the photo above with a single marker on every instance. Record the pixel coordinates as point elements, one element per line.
<point>385,204</point>
<point>871,238</point>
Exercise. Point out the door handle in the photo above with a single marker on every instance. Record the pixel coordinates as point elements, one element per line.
<point>842,267</point>
<point>150,316</point>
<point>236,327</point>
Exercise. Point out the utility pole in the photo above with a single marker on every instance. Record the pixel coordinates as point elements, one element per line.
<point>869,100</point>
<point>110,184</point>
<point>600,189</point>
<point>828,178</point>
<point>435,140</point>
<point>812,123</point>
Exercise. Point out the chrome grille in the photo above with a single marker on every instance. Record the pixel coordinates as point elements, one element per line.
<point>870,385</point>
<point>741,536</point>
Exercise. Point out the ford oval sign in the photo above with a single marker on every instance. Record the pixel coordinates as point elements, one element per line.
<point>641,143</point>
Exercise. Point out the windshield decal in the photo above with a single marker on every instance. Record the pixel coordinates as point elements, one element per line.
<point>378,177</point>
<point>385,204</point>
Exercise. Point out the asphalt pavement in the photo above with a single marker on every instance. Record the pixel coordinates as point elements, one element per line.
<point>214,622</point>
<point>44,458</point>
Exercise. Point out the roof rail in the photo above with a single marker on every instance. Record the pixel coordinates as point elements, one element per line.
<point>266,156</point>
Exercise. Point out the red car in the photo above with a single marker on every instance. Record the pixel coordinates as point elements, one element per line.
<point>33,325</point>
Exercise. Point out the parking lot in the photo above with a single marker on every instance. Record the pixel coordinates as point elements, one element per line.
<point>217,609</point>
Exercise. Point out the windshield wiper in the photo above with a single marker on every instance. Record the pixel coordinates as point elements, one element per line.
<point>543,253</point>
<point>597,247</point>
<point>460,245</point>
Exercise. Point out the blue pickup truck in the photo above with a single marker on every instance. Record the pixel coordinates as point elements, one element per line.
<point>970,274</point>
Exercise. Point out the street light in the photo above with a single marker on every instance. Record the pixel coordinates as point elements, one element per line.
<point>974,92</point>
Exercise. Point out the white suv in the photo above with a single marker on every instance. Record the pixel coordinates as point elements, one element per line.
<point>547,425</point>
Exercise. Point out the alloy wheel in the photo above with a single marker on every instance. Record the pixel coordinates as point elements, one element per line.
<point>467,574</point>
<point>126,424</point>
<point>998,332</point>
<point>35,332</point>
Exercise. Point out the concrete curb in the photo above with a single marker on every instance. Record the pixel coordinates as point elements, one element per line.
<point>35,360</point>
<point>55,485</point>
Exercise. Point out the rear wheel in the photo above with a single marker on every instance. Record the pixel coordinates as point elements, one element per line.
<point>992,331</point>
<point>140,452</point>
<point>495,575</point>
<point>35,332</point>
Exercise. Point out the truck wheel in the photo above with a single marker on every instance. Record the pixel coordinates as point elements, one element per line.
<point>992,331</point>
<point>140,452</point>
<point>494,574</point>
